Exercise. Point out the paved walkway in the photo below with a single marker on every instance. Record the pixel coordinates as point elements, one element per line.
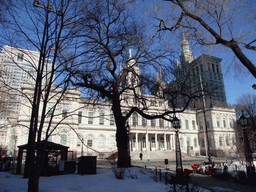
<point>210,183</point>
<point>204,181</point>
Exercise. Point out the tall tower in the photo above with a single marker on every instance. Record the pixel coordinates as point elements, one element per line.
<point>133,76</point>
<point>203,72</point>
<point>186,55</point>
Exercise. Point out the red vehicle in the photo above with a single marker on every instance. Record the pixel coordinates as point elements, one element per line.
<point>2,154</point>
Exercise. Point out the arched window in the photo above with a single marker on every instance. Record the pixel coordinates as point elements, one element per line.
<point>135,119</point>
<point>101,141</point>
<point>63,138</point>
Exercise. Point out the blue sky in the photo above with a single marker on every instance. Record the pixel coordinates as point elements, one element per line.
<point>236,86</point>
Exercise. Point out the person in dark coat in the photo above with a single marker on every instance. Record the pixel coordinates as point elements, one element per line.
<point>141,155</point>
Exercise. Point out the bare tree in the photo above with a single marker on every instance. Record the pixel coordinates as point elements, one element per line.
<point>47,26</point>
<point>212,22</point>
<point>108,30</point>
<point>246,104</point>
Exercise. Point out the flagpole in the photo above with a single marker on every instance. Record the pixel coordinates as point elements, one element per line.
<point>205,129</point>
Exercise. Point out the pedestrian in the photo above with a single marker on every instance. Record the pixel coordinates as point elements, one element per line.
<point>141,155</point>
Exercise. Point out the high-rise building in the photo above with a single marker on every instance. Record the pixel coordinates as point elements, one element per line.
<point>203,73</point>
<point>18,66</point>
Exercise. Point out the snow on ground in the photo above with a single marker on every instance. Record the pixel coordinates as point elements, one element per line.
<point>136,180</point>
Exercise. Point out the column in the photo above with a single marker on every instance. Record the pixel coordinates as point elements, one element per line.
<point>173,146</point>
<point>165,144</point>
<point>137,143</point>
<point>156,141</point>
<point>147,145</point>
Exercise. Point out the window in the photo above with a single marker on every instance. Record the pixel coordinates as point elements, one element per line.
<point>233,140</point>
<point>186,124</point>
<point>213,68</point>
<point>112,119</point>
<point>112,141</point>
<point>50,109</point>
<point>224,122</point>
<point>101,141</point>
<point>153,103</point>
<point>90,118</point>
<point>153,122</point>
<point>193,124</point>
<point>201,68</point>
<point>218,68</point>
<point>195,142</point>
<point>207,124</point>
<point>227,141</point>
<point>101,119</point>
<point>64,113</point>
<point>79,117</point>
<point>89,141</point>
<point>63,138</point>
<point>134,119</point>
<point>161,123</point>
<point>153,142</point>
<point>220,140</point>
<point>210,140</point>
<point>201,124</point>
<point>65,110</point>
<point>78,143</point>
<point>143,142</point>
<point>144,122</point>
<point>20,57</point>
<point>218,121</point>
<point>209,67</point>
<point>231,123</point>
<point>202,142</point>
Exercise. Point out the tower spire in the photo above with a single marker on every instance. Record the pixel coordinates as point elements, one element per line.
<point>186,54</point>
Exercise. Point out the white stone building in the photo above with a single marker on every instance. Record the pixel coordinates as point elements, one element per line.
<point>87,126</point>
<point>91,122</point>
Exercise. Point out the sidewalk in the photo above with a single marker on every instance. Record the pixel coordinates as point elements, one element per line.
<point>212,184</point>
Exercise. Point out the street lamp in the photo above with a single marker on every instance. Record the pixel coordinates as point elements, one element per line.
<point>47,8</point>
<point>127,127</point>
<point>248,155</point>
<point>176,126</point>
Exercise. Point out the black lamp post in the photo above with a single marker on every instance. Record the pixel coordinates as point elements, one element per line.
<point>247,150</point>
<point>127,127</point>
<point>176,126</point>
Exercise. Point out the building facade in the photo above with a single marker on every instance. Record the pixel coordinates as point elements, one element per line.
<point>89,128</point>
<point>18,66</point>
<point>202,73</point>
<point>87,125</point>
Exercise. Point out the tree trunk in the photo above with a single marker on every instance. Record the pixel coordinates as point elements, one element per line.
<point>124,159</point>
<point>33,181</point>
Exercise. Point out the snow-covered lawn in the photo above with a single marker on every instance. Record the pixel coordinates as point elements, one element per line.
<point>136,180</point>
